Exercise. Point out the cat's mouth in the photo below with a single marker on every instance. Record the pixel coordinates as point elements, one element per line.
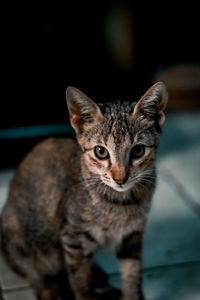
<point>116,193</point>
<point>119,187</point>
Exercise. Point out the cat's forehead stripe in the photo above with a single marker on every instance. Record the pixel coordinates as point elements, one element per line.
<point>119,128</point>
<point>117,123</point>
<point>118,107</point>
<point>117,133</point>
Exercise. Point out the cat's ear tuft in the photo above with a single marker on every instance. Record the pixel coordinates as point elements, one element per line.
<point>153,104</point>
<point>82,110</point>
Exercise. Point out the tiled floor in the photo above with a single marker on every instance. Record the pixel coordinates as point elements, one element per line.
<point>171,255</point>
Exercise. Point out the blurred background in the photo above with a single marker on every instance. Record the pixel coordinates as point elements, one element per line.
<point>111,50</point>
<point>108,49</point>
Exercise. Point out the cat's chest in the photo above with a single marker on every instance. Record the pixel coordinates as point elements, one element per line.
<point>107,236</point>
<point>111,226</point>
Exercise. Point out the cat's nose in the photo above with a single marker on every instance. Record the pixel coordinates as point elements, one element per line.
<point>120,180</point>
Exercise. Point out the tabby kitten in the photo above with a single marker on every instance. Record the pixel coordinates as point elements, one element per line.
<point>68,199</point>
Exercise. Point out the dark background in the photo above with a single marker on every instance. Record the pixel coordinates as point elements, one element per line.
<point>108,49</point>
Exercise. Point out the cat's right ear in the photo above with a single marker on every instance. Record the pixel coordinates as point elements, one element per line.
<point>153,104</point>
<point>82,110</point>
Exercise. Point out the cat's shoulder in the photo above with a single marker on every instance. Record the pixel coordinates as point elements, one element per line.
<point>56,147</point>
<point>56,153</point>
<point>52,160</point>
<point>58,144</point>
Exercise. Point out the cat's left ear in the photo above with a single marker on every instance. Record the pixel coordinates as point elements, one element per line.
<point>82,110</point>
<point>153,104</point>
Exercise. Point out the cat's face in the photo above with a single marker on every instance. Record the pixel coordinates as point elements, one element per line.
<point>119,140</point>
<point>118,151</point>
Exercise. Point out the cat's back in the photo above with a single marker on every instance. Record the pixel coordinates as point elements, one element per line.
<point>51,158</point>
<point>43,177</point>
<point>32,216</point>
<point>53,154</point>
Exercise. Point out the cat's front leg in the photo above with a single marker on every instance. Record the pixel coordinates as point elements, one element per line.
<point>129,256</point>
<point>80,278</point>
<point>79,270</point>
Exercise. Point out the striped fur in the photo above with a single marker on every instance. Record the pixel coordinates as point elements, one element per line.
<point>65,202</point>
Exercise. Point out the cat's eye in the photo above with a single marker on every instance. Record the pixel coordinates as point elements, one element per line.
<point>101,152</point>
<point>137,151</point>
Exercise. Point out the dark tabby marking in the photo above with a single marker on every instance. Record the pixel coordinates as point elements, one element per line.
<point>67,199</point>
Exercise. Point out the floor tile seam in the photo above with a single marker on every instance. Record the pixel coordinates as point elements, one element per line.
<point>154,269</point>
<point>181,190</point>
<point>14,289</point>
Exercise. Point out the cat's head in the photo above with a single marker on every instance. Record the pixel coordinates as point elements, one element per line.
<point>119,139</point>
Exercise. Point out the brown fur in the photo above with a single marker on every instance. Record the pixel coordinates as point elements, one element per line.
<point>65,202</point>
